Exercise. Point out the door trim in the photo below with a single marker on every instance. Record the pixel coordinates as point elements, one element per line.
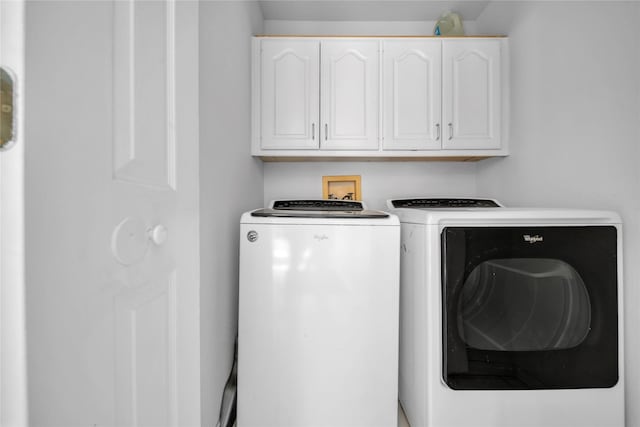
<point>13,370</point>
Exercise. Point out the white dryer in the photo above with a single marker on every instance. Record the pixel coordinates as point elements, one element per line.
<point>318,315</point>
<point>509,317</point>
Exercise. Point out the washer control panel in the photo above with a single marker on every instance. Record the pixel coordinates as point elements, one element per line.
<point>319,208</point>
<point>318,205</point>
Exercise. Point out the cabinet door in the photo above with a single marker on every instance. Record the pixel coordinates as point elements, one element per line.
<point>290,94</point>
<point>350,95</point>
<point>471,94</point>
<point>412,95</point>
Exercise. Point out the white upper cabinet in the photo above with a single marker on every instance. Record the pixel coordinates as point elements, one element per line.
<point>377,98</point>
<point>471,87</point>
<point>412,94</point>
<point>319,94</point>
<point>289,102</point>
<point>349,96</point>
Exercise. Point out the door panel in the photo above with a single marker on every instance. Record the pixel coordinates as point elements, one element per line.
<point>412,79</point>
<point>146,359</point>
<point>144,132</point>
<point>290,94</point>
<point>350,95</point>
<point>471,94</point>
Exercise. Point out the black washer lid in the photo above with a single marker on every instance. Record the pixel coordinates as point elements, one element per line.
<point>444,203</point>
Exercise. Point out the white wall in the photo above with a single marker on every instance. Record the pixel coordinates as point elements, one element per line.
<point>356,28</point>
<point>575,128</point>
<point>380,180</point>
<point>230,181</point>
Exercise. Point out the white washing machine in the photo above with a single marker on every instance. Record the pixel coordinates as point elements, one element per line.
<point>318,315</point>
<point>509,317</point>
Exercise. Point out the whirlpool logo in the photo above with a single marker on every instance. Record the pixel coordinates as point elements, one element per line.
<point>532,239</point>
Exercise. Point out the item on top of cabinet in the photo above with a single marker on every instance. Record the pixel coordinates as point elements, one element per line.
<point>449,24</point>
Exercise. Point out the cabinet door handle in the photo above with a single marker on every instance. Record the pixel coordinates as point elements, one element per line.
<point>437,131</point>
<point>313,131</point>
<point>326,131</point>
<point>450,131</point>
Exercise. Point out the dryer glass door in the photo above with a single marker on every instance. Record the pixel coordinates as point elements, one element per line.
<point>530,308</point>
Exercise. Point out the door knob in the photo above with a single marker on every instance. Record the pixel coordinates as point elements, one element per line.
<point>130,240</point>
<point>158,234</point>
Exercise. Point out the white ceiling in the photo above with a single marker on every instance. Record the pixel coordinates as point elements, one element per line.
<point>368,10</point>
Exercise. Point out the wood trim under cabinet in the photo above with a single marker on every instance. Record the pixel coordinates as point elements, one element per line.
<point>333,36</point>
<point>373,159</point>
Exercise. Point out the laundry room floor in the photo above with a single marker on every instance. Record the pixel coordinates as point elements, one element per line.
<point>402,419</point>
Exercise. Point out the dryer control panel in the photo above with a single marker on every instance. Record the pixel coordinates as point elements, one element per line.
<point>422,203</point>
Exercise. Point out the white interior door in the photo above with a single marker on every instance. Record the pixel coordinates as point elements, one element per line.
<point>155,214</point>
<point>111,153</point>
<point>13,380</point>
